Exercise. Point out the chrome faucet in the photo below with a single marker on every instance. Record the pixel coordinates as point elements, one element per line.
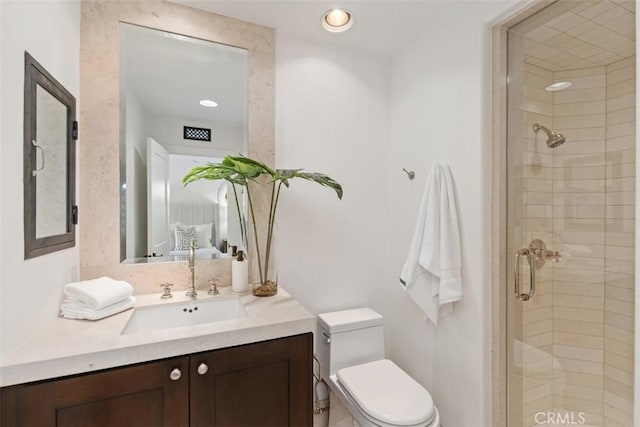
<point>192,268</point>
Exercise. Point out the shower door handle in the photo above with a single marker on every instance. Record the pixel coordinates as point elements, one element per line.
<point>532,274</point>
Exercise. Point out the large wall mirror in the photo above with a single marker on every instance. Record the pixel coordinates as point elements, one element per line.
<point>49,162</point>
<point>104,206</point>
<point>183,102</point>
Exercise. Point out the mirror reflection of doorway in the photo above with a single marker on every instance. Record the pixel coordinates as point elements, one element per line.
<point>158,243</point>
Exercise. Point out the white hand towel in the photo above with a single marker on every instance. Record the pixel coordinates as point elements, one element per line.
<point>74,310</point>
<point>98,293</point>
<point>432,273</point>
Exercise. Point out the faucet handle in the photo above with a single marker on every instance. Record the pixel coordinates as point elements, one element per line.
<point>166,290</point>
<point>213,287</point>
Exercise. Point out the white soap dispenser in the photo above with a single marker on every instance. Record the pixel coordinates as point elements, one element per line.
<point>240,273</point>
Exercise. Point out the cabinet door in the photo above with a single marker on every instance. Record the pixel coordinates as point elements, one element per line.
<point>142,395</point>
<point>262,384</point>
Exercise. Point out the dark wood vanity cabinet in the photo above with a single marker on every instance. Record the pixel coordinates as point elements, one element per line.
<point>262,384</point>
<point>140,395</point>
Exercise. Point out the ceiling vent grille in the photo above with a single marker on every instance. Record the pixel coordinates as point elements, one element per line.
<point>197,134</point>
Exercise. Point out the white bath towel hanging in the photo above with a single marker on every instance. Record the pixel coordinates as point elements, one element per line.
<point>432,272</point>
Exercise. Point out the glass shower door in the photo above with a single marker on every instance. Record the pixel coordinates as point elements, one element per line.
<point>571,217</point>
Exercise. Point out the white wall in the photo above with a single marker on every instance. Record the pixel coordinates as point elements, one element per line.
<point>439,112</point>
<point>2,180</point>
<point>204,191</point>
<point>30,290</point>
<point>331,117</point>
<point>345,113</point>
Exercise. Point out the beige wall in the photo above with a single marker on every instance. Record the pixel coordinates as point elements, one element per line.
<point>577,333</point>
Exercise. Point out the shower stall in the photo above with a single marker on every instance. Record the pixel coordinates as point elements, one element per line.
<point>570,215</point>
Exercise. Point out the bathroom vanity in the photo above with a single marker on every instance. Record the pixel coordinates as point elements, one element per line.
<point>244,370</point>
<point>250,371</point>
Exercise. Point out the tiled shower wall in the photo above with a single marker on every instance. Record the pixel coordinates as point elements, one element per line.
<point>619,244</point>
<point>579,217</point>
<point>537,222</point>
<point>579,198</point>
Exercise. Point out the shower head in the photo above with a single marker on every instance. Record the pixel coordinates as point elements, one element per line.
<point>554,140</point>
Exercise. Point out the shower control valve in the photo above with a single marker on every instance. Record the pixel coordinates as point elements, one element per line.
<point>553,256</point>
<point>546,255</point>
<point>538,249</point>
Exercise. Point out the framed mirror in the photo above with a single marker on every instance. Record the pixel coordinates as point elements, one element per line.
<point>50,131</point>
<point>183,102</point>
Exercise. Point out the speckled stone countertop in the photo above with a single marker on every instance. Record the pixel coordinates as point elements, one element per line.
<point>66,347</point>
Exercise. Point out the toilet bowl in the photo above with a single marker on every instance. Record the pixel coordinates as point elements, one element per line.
<point>350,347</point>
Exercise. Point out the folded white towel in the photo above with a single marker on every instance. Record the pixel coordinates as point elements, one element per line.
<point>98,293</point>
<point>75,310</point>
<point>432,274</point>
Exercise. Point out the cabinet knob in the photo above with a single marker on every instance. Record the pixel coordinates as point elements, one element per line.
<point>203,368</point>
<point>175,374</point>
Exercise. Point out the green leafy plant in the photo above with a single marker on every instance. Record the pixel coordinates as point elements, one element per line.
<point>240,171</point>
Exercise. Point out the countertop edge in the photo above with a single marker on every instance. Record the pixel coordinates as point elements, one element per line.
<point>147,351</point>
<point>92,362</point>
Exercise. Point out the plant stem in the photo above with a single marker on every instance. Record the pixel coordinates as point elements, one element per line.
<point>255,235</point>
<point>272,221</point>
<point>269,231</point>
<point>243,231</point>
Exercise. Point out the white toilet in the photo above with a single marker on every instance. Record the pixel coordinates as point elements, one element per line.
<point>350,348</point>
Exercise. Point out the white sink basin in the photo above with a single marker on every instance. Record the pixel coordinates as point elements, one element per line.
<point>189,313</point>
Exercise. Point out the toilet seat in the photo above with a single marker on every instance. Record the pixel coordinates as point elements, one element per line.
<point>386,395</point>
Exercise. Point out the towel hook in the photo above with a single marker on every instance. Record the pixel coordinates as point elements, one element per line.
<point>410,174</point>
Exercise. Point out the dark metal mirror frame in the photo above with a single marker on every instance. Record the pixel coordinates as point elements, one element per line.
<point>35,74</point>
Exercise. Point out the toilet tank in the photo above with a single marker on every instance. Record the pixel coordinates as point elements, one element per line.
<point>348,338</point>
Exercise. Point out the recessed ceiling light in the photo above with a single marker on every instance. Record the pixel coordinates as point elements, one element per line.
<point>208,103</point>
<point>555,87</point>
<point>337,20</point>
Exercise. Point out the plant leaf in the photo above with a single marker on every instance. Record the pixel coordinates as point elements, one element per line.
<point>250,167</point>
<point>319,178</point>
<point>285,175</point>
<point>213,171</point>
<point>240,170</point>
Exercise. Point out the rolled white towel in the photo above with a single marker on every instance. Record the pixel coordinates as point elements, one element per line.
<point>74,310</point>
<point>98,293</point>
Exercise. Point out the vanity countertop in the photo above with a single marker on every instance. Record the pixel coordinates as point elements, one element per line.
<point>67,347</point>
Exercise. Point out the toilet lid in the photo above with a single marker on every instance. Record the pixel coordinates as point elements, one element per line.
<point>387,393</point>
